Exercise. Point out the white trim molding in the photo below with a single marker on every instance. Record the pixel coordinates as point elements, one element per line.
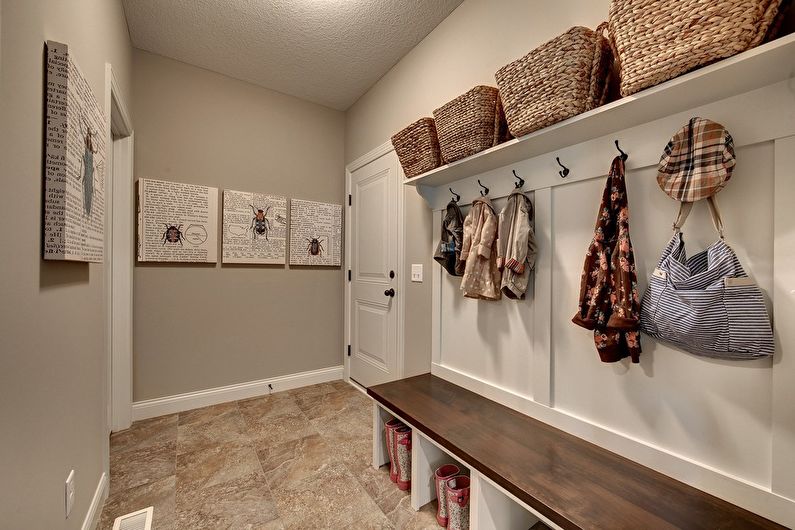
<point>95,508</point>
<point>152,408</point>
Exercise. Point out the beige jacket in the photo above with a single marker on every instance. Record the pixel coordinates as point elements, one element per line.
<point>516,245</point>
<point>481,276</point>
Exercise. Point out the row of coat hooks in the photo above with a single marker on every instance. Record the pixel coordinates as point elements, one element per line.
<point>520,181</point>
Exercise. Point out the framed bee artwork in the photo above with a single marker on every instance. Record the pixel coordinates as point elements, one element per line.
<point>315,233</point>
<point>75,165</point>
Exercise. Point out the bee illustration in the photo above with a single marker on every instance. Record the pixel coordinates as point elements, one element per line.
<point>260,224</point>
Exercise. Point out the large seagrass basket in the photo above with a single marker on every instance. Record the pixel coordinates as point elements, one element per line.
<point>563,77</point>
<point>417,147</point>
<point>657,40</point>
<point>470,123</point>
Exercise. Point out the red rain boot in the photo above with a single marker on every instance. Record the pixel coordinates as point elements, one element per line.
<point>403,452</point>
<point>440,477</point>
<point>389,432</point>
<point>458,503</point>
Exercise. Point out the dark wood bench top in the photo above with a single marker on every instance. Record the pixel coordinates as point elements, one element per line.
<point>574,483</point>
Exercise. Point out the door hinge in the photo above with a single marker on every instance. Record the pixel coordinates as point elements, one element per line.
<point>349,275</point>
<point>349,350</point>
<point>350,200</point>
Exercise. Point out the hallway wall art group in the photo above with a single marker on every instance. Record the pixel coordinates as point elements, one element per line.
<point>178,222</point>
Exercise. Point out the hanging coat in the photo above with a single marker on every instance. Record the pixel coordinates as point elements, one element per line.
<point>609,302</point>
<point>448,252</point>
<point>481,276</point>
<point>516,245</point>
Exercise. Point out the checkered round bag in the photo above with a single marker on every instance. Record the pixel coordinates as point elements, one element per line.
<point>697,162</point>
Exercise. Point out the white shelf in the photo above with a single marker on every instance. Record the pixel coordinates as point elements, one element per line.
<point>756,68</point>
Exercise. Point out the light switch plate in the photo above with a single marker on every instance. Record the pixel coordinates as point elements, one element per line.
<point>69,492</point>
<point>416,272</point>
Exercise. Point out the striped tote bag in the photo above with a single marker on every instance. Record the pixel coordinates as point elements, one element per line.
<point>706,304</point>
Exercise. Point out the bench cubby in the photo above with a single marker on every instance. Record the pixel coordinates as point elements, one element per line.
<point>525,473</point>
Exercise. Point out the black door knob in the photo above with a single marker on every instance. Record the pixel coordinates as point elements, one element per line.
<point>389,292</point>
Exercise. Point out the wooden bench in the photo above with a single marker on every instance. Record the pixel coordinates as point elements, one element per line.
<point>524,470</point>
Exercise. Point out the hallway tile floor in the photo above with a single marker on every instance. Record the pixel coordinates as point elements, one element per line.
<point>291,460</point>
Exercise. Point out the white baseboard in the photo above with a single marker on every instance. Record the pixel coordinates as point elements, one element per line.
<point>753,497</point>
<point>151,408</point>
<point>95,509</point>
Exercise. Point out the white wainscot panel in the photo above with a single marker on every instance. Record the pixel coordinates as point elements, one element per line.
<point>717,413</point>
<point>490,340</point>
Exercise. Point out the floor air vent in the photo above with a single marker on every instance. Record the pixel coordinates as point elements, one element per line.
<point>140,520</point>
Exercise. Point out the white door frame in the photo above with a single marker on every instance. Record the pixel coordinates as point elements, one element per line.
<point>119,241</point>
<point>400,270</point>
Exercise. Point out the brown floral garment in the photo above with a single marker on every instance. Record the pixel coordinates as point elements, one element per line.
<point>609,302</point>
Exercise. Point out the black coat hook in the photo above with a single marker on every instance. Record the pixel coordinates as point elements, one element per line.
<point>565,173</point>
<point>484,191</point>
<point>457,196</point>
<point>520,183</point>
<point>624,156</point>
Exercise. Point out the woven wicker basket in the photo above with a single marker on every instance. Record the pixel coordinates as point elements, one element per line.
<point>417,147</point>
<point>471,123</point>
<point>566,76</point>
<point>657,40</point>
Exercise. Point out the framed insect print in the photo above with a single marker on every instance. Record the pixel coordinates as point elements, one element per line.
<point>315,233</point>
<point>75,165</point>
<point>177,222</point>
<point>254,228</point>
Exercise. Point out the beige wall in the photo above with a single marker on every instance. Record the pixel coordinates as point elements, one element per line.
<point>51,314</point>
<point>464,50</point>
<point>204,326</point>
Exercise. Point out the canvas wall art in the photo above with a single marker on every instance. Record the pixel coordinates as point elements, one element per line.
<point>254,228</point>
<point>75,164</point>
<point>315,233</point>
<point>177,222</point>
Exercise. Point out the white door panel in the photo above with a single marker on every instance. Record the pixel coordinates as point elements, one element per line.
<point>374,189</point>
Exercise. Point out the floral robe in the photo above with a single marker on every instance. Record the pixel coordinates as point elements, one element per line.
<point>609,302</point>
<point>481,276</point>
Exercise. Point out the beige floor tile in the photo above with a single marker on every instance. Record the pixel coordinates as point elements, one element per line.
<point>287,463</point>
<point>404,517</point>
<point>332,404</point>
<point>140,466</point>
<point>330,498</point>
<point>216,465</point>
<point>342,428</point>
<point>376,483</point>
<point>210,426</point>
<point>261,409</point>
<point>243,503</point>
<point>281,429</point>
<point>145,433</point>
<point>159,494</point>
<point>322,388</point>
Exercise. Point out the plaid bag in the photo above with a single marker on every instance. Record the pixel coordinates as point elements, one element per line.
<point>697,162</point>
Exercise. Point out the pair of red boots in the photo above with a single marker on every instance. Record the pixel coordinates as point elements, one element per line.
<point>452,494</point>
<point>398,445</point>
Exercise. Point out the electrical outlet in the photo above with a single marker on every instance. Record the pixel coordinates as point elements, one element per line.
<point>70,492</point>
<point>416,272</point>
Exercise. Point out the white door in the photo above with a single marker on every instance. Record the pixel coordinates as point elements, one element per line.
<point>374,253</point>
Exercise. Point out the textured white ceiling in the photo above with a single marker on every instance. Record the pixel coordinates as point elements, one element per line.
<point>326,51</point>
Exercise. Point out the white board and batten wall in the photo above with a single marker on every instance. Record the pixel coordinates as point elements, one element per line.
<point>725,427</point>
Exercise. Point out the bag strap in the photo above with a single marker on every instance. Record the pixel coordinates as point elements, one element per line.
<point>686,207</point>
